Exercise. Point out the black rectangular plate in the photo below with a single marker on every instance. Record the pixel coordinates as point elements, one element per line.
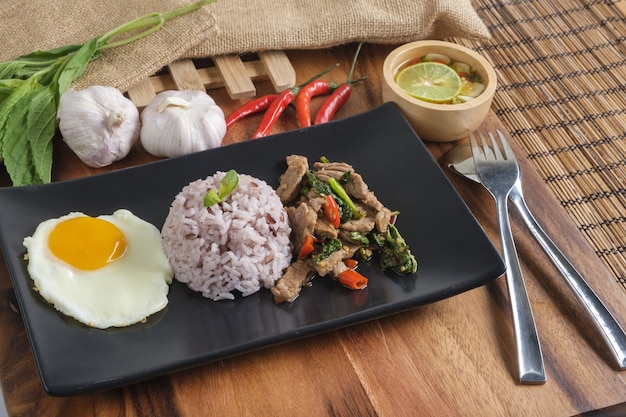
<point>453,252</point>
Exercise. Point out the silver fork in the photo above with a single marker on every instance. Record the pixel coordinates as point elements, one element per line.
<point>498,173</point>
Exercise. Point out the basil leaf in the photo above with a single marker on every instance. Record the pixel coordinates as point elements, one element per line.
<point>76,65</point>
<point>16,148</point>
<point>8,107</point>
<point>10,69</point>
<point>28,65</point>
<point>8,86</point>
<point>41,125</point>
<point>211,198</point>
<point>227,185</point>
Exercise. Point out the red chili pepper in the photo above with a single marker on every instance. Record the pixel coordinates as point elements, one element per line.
<point>278,106</point>
<point>333,103</point>
<point>352,279</point>
<point>251,107</point>
<point>307,246</point>
<point>350,263</point>
<point>303,100</point>
<point>339,96</point>
<point>331,211</point>
<point>273,112</point>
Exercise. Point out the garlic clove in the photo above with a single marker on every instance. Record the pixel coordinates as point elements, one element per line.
<point>99,124</point>
<point>181,122</point>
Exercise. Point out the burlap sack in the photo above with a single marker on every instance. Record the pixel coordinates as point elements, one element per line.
<point>226,26</point>
<point>249,26</point>
<point>30,25</point>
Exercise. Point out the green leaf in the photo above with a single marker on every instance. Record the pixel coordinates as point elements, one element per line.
<point>76,65</point>
<point>9,69</point>
<point>27,65</point>
<point>16,148</point>
<point>211,198</point>
<point>8,107</point>
<point>7,87</point>
<point>227,185</point>
<point>41,125</point>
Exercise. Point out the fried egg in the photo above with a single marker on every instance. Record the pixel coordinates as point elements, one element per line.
<point>106,271</point>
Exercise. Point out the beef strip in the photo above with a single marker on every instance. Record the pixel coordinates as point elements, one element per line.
<point>302,220</point>
<point>316,201</point>
<point>357,188</point>
<point>364,224</point>
<point>289,187</point>
<point>331,169</point>
<point>383,218</point>
<point>327,265</point>
<point>296,276</point>
<point>324,229</point>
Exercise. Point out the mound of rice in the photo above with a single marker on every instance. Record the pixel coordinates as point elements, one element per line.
<point>240,244</point>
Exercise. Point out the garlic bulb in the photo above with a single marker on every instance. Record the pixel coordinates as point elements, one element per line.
<point>98,123</point>
<point>181,122</point>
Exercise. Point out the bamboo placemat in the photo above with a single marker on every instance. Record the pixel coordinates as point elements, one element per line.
<point>561,69</point>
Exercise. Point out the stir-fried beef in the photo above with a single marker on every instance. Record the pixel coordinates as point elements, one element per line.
<point>290,181</point>
<point>358,189</point>
<point>363,225</point>
<point>333,216</point>
<point>331,169</point>
<point>296,276</point>
<point>383,219</point>
<point>302,220</point>
<point>326,266</point>
<point>324,229</point>
<point>315,201</point>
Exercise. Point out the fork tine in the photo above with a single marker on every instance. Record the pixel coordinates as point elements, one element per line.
<point>507,148</point>
<point>496,148</point>
<point>489,150</point>
<point>476,148</point>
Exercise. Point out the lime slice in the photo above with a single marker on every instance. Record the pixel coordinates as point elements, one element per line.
<point>430,81</point>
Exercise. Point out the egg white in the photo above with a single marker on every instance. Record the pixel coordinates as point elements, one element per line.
<point>123,292</point>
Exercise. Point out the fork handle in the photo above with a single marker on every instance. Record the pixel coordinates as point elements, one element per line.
<point>530,358</point>
<point>610,329</point>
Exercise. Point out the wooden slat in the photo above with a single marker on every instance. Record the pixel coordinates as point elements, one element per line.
<point>185,76</point>
<point>142,93</point>
<point>255,70</point>
<point>235,77</point>
<point>279,69</point>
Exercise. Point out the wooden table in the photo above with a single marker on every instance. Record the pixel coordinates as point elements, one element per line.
<point>454,357</point>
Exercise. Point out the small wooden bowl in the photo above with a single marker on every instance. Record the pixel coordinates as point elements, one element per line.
<point>439,122</point>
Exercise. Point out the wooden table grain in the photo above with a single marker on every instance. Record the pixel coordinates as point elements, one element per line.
<point>451,358</point>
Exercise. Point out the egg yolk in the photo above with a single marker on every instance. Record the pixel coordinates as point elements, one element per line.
<point>87,243</point>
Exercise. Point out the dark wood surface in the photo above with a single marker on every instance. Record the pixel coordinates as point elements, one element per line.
<point>454,357</point>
